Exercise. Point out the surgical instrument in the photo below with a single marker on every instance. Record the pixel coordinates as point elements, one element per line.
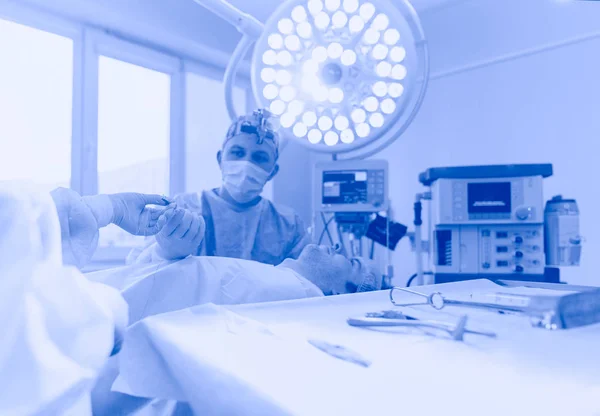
<point>392,318</point>
<point>340,352</point>
<point>437,301</point>
<point>561,311</point>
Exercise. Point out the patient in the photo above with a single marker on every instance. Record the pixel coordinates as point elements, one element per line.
<point>150,289</point>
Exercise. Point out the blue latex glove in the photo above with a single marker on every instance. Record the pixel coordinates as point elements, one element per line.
<point>181,234</point>
<point>132,214</point>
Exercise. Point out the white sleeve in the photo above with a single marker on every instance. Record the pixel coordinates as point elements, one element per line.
<point>101,207</point>
<point>58,329</point>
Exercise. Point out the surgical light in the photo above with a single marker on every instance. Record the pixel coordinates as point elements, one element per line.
<point>315,136</point>
<point>277,107</point>
<point>380,52</point>
<point>309,118</point>
<point>397,54</point>
<point>304,29</point>
<point>348,57</point>
<point>332,5</point>
<point>287,120</point>
<point>356,24</point>
<point>299,14</point>
<point>341,123</point>
<point>339,19</point>
<point>367,10</point>
<point>350,6</point>
<point>331,138</point>
<point>343,76</point>
<point>292,42</point>
<point>282,77</point>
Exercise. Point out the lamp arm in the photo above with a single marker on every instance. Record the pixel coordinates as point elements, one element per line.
<point>243,22</point>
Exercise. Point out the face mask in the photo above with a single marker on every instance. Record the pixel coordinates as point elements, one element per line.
<point>243,180</point>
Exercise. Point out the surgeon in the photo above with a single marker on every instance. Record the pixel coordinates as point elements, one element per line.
<point>239,222</point>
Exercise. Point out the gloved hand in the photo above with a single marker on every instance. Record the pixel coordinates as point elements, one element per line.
<point>132,214</point>
<point>182,233</point>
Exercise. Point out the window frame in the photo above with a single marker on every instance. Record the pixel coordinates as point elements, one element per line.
<point>99,43</point>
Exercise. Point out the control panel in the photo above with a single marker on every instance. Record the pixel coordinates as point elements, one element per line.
<point>351,186</point>
<point>490,249</point>
<point>490,200</point>
<point>511,251</point>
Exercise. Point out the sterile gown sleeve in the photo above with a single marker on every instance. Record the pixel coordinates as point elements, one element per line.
<point>58,328</point>
<point>147,253</point>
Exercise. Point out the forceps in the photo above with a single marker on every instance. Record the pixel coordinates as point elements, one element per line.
<point>437,301</point>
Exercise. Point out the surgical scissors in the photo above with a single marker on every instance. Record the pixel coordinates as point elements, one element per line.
<point>437,301</point>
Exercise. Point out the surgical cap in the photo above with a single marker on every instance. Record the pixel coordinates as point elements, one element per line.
<point>261,124</point>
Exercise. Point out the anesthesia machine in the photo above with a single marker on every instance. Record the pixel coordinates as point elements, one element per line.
<point>490,222</point>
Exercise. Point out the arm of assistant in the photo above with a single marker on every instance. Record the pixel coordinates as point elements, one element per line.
<point>81,217</point>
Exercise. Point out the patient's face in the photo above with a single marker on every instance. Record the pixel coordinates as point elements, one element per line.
<point>331,271</point>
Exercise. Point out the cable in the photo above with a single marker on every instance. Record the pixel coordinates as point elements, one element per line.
<point>341,238</point>
<point>325,229</point>
<point>410,279</point>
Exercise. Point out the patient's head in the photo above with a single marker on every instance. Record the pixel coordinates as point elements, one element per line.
<point>334,273</point>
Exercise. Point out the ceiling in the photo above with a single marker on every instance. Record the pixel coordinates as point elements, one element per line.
<point>181,26</point>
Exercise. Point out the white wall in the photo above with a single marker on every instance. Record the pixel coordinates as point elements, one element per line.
<point>206,125</point>
<point>503,90</point>
<point>539,108</point>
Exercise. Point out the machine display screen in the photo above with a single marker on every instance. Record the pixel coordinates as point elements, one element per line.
<point>489,198</point>
<point>345,187</point>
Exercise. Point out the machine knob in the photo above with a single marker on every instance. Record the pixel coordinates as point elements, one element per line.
<point>519,269</point>
<point>519,254</point>
<point>518,239</point>
<point>523,213</point>
<point>486,265</point>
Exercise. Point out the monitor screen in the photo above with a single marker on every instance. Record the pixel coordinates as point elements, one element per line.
<point>489,198</point>
<point>345,187</point>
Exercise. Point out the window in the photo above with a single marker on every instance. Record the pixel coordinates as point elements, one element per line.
<point>133,135</point>
<point>36,84</point>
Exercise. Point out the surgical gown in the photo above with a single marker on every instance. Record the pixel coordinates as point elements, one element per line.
<point>57,328</point>
<point>264,232</point>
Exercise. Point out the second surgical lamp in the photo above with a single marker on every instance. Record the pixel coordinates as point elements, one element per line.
<point>343,76</point>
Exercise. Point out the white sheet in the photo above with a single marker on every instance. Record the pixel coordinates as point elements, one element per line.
<point>151,289</point>
<point>269,368</point>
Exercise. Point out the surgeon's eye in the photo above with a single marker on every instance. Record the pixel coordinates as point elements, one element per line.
<point>260,158</point>
<point>237,153</point>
